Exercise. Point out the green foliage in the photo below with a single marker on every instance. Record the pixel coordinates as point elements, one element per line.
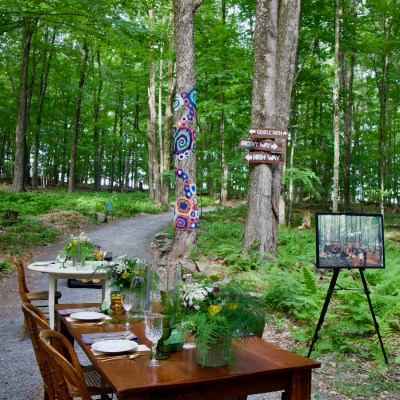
<point>26,232</point>
<point>29,230</point>
<point>5,267</point>
<point>292,286</point>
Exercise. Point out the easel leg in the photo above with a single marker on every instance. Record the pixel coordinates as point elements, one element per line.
<point>366,290</point>
<point>324,308</point>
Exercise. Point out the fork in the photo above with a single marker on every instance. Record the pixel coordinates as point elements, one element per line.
<point>111,358</point>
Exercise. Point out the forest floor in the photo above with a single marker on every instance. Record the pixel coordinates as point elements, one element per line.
<point>336,373</point>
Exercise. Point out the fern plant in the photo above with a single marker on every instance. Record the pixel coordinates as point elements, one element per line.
<point>217,311</point>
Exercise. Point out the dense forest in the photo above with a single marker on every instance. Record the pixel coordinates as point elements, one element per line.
<point>98,82</point>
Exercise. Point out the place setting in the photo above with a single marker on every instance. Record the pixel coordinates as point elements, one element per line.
<point>87,317</point>
<point>107,349</point>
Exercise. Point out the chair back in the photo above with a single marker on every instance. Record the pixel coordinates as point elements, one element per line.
<point>65,363</point>
<point>23,289</point>
<point>36,321</point>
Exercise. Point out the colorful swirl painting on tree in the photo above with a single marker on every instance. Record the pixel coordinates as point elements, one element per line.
<point>186,209</point>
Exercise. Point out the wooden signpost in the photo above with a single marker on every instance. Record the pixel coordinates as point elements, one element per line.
<point>266,149</point>
<point>268,133</point>
<point>264,145</point>
<point>263,158</point>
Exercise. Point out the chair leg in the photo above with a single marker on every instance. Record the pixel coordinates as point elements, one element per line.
<point>24,328</point>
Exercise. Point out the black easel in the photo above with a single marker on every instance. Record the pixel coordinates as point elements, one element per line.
<point>331,289</point>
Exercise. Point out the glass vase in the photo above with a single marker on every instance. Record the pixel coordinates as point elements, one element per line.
<point>74,260</point>
<point>217,355</point>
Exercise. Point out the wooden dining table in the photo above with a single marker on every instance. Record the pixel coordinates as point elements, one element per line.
<point>258,367</point>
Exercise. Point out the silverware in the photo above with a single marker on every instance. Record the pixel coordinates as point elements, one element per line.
<point>116,336</point>
<point>128,356</point>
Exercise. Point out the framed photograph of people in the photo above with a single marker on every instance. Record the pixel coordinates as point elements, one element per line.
<point>347,240</point>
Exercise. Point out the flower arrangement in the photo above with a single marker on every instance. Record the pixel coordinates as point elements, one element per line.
<point>81,246</point>
<point>126,273</point>
<point>215,311</point>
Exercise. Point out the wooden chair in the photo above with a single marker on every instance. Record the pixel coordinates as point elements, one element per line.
<point>27,296</point>
<point>36,321</point>
<point>71,379</point>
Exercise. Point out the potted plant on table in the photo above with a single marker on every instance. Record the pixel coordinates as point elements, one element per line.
<point>132,274</point>
<point>79,248</point>
<point>216,311</point>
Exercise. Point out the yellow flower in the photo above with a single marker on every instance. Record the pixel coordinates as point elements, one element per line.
<point>214,309</point>
<point>125,275</point>
<point>232,306</point>
<point>74,242</point>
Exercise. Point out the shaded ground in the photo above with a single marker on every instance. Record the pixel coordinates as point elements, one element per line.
<point>19,375</point>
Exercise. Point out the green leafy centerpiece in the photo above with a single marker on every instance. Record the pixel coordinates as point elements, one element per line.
<point>130,274</point>
<point>79,248</point>
<point>216,311</point>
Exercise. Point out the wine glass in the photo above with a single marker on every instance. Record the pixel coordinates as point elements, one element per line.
<point>153,332</point>
<point>62,258</point>
<point>127,298</point>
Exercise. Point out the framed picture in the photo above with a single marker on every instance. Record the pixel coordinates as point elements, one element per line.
<point>346,240</point>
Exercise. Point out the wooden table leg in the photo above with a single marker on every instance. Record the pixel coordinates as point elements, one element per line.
<point>300,387</point>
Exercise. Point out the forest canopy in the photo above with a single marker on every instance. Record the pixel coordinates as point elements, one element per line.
<point>112,44</point>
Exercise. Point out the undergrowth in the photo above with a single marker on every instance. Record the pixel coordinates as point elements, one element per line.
<point>293,287</point>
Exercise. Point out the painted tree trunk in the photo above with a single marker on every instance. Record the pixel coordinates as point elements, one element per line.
<point>185,83</point>
<point>275,47</point>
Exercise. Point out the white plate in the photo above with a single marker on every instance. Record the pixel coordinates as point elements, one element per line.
<point>42,263</point>
<point>87,315</point>
<point>114,346</point>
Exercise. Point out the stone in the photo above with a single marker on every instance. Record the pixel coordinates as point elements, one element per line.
<point>166,247</point>
<point>161,236</point>
<point>98,216</point>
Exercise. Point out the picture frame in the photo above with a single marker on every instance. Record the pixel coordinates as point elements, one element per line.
<point>349,240</point>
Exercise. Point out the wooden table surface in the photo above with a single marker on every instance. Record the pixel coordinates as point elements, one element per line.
<point>258,367</point>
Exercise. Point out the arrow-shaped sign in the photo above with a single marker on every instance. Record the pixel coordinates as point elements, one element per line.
<point>264,145</point>
<point>263,158</point>
<point>268,133</point>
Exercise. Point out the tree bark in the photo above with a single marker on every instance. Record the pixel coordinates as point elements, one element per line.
<point>185,83</point>
<point>275,47</point>
<point>96,127</point>
<point>154,166</point>
<point>22,118</point>
<point>42,91</point>
<point>75,133</point>
<point>336,116</point>
<point>165,156</point>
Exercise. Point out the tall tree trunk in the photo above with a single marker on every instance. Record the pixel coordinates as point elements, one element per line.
<point>383,87</point>
<point>96,127</point>
<point>165,156</point>
<point>121,152</point>
<point>77,115</point>
<point>275,47</point>
<point>42,91</point>
<point>185,122</point>
<point>336,116</point>
<point>154,167</point>
<point>22,119</point>
<point>224,164</point>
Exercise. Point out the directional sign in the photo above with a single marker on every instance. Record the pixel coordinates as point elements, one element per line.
<point>268,133</point>
<point>263,158</point>
<point>264,145</point>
